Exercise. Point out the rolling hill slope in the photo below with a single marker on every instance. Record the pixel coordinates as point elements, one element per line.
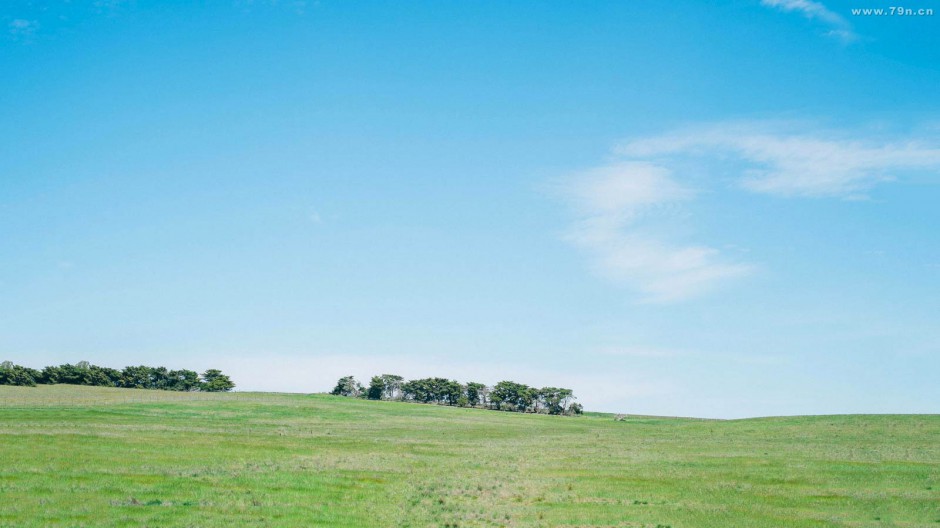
<point>86,456</point>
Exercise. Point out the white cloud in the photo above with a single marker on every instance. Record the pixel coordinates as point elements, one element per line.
<point>839,27</point>
<point>625,208</point>
<point>625,188</point>
<point>620,207</point>
<point>793,163</point>
<point>23,29</point>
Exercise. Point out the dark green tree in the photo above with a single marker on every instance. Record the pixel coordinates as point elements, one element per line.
<point>183,380</point>
<point>347,386</point>
<point>103,376</point>
<point>555,400</point>
<point>509,395</point>
<point>475,393</point>
<point>79,374</point>
<point>376,388</point>
<point>214,381</point>
<point>432,390</point>
<point>139,377</point>
<point>11,374</point>
<point>160,378</point>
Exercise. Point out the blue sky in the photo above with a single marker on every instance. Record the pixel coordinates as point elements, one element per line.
<point>717,210</point>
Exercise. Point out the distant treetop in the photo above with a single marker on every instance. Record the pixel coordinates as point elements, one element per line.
<point>139,377</point>
<point>504,396</point>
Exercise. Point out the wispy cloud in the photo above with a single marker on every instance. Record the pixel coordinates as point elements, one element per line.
<point>620,208</point>
<point>838,26</point>
<point>22,29</point>
<point>792,163</point>
<point>625,209</point>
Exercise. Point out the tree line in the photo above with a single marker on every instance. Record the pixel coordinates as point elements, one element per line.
<point>139,377</point>
<point>504,396</point>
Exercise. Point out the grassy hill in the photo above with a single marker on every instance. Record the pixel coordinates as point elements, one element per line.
<point>87,456</point>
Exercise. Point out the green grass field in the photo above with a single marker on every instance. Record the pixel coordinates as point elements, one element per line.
<point>86,456</point>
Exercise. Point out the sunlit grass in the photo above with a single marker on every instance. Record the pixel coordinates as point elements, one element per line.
<point>87,456</point>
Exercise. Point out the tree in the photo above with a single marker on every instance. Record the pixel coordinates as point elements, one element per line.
<point>11,374</point>
<point>392,384</point>
<point>420,390</point>
<point>485,396</point>
<point>183,380</point>
<point>68,374</point>
<point>49,375</point>
<point>413,391</point>
<point>555,400</point>
<point>160,378</point>
<point>139,377</point>
<point>432,390</point>
<point>516,395</point>
<point>451,392</point>
<point>475,393</point>
<point>347,386</point>
<point>376,388</point>
<point>526,398</point>
<point>103,376</point>
<point>214,381</point>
